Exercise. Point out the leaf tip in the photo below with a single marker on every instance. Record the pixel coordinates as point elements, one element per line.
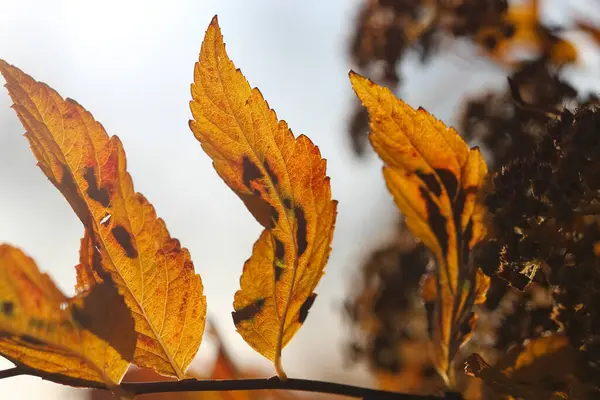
<point>355,78</point>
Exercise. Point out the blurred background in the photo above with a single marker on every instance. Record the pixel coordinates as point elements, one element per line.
<point>130,63</point>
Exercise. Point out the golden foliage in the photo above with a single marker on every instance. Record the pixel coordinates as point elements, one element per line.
<point>434,178</point>
<point>283,183</point>
<point>87,337</point>
<point>153,273</point>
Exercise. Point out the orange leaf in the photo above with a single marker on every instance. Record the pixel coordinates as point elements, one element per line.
<point>434,179</point>
<point>282,181</point>
<point>151,270</point>
<point>87,337</point>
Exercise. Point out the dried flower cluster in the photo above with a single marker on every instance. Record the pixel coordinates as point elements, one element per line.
<point>545,213</point>
<point>387,29</point>
<point>543,249</point>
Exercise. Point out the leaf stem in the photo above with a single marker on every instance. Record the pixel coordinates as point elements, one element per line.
<point>274,383</point>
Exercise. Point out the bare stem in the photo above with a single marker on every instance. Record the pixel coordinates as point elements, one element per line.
<point>194,385</point>
<point>8,373</point>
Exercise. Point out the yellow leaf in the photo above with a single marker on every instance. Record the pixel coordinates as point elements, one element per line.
<point>434,178</point>
<point>87,337</point>
<point>283,183</point>
<point>151,270</point>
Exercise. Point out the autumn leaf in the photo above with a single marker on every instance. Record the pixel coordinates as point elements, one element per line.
<point>151,270</point>
<point>87,337</point>
<point>434,178</point>
<point>547,367</point>
<point>283,183</point>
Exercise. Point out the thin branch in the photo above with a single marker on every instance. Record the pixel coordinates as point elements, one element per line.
<point>8,373</point>
<point>194,385</point>
<point>304,385</point>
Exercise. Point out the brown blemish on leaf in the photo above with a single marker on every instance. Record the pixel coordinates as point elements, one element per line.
<point>68,188</point>
<point>279,249</point>
<point>431,182</point>
<point>468,234</point>
<point>448,180</point>
<point>96,193</point>
<point>35,323</point>
<point>31,341</point>
<point>303,313</point>
<point>301,238</point>
<point>270,172</point>
<point>430,309</point>
<point>278,272</point>
<point>79,316</point>
<point>436,221</point>
<point>279,257</point>
<point>287,203</point>
<point>124,239</point>
<point>8,308</point>
<point>250,172</point>
<point>261,210</point>
<point>248,312</point>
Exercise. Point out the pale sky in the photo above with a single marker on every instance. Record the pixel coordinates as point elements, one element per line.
<point>130,63</point>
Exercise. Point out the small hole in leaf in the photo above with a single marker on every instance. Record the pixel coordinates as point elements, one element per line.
<point>106,220</point>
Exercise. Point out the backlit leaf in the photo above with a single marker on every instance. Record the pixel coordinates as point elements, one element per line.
<point>283,183</point>
<point>151,270</point>
<point>434,178</point>
<point>88,337</point>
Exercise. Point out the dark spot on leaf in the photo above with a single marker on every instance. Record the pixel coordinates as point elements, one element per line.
<point>458,208</point>
<point>250,172</point>
<point>431,182</point>
<point>467,236</point>
<point>8,308</point>
<point>508,30</point>
<point>35,323</point>
<point>278,272</point>
<point>261,210</point>
<point>305,307</point>
<point>429,371</point>
<point>436,221</point>
<point>124,239</point>
<point>429,308</point>
<point>79,316</point>
<point>248,312</point>
<point>68,188</point>
<point>279,249</point>
<point>95,193</point>
<point>490,42</point>
<point>287,203</point>
<point>467,325</point>
<point>30,340</point>
<point>270,172</point>
<point>448,180</point>
<point>301,234</point>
